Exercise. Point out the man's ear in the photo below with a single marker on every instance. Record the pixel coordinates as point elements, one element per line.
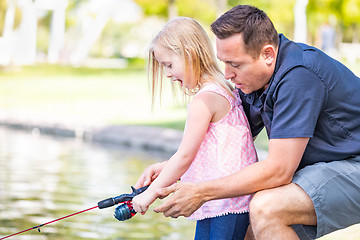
<point>269,54</point>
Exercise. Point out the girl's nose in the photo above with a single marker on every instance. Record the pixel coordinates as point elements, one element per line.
<point>168,73</point>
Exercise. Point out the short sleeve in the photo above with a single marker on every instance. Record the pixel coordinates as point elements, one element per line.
<point>298,100</point>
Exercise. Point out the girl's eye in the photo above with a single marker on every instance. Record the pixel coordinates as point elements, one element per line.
<point>167,65</point>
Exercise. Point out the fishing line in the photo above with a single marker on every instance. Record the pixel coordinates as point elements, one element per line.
<point>44,224</point>
<point>123,212</point>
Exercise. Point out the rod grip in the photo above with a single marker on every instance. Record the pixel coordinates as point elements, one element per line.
<point>106,203</point>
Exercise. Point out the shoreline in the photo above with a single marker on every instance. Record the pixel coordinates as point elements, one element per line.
<point>145,138</point>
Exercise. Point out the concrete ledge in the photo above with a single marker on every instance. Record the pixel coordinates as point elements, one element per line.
<point>143,137</point>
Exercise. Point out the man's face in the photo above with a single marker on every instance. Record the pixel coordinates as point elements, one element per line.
<point>247,73</point>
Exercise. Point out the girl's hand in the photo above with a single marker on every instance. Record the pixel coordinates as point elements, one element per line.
<point>142,201</point>
<point>150,174</point>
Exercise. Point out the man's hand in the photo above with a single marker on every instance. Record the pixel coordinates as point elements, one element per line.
<point>184,201</point>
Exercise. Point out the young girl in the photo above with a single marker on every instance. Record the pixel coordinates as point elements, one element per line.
<point>216,142</point>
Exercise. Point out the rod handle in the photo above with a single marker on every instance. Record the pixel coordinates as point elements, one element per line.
<point>106,203</point>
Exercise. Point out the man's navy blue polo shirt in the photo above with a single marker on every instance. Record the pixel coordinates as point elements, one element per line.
<point>309,95</point>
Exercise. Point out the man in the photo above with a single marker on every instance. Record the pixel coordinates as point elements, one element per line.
<point>309,185</point>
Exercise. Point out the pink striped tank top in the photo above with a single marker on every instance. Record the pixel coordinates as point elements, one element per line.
<point>226,148</point>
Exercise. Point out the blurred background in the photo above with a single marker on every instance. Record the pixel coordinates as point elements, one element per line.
<point>81,32</point>
<point>82,64</point>
<point>83,55</point>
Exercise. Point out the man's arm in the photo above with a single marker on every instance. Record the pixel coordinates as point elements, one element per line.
<point>276,170</point>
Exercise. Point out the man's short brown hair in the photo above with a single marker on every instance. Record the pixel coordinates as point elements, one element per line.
<point>255,26</point>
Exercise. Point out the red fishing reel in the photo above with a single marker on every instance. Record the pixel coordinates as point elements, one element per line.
<point>124,211</point>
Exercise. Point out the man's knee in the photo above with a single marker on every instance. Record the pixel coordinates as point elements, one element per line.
<point>262,206</point>
<point>287,205</point>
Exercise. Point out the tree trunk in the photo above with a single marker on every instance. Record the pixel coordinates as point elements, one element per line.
<point>172,9</point>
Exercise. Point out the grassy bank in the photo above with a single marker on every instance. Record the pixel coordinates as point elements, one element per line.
<point>108,96</point>
<point>88,95</point>
<point>101,96</point>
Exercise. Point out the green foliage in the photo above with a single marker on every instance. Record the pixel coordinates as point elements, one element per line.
<point>136,63</point>
<point>108,96</point>
<point>320,11</point>
<point>114,36</point>
<point>154,7</point>
<point>3,7</point>
<point>280,12</point>
<point>201,10</point>
<point>344,14</point>
<point>43,35</point>
<point>351,12</point>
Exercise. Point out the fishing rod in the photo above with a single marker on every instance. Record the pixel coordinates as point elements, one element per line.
<point>123,212</point>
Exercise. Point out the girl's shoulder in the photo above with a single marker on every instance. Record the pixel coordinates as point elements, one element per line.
<point>212,87</point>
<point>215,88</point>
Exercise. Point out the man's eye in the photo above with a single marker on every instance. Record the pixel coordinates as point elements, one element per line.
<point>235,65</point>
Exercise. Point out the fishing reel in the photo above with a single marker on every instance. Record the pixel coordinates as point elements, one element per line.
<point>125,210</point>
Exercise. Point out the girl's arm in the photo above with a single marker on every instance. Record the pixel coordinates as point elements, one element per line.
<point>150,174</point>
<point>200,114</point>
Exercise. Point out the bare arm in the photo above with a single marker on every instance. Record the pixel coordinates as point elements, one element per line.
<point>199,116</point>
<point>276,170</point>
<point>150,174</point>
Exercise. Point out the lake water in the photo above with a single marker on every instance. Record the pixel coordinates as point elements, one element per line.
<point>43,178</point>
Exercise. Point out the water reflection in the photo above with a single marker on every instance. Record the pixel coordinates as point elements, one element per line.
<point>43,178</point>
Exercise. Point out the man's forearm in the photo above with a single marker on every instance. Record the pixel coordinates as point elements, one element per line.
<point>276,170</point>
<point>253,178</point>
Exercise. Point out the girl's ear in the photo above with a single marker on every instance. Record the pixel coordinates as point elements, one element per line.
<point>269,53</point>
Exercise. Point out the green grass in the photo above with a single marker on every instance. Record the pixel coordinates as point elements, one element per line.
<point>101,96</point>
<point>105,96</point>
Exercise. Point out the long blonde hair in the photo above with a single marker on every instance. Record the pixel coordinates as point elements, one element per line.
<point>185,36</point>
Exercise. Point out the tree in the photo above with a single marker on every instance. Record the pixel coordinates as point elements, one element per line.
<point>202,10</point>
<point>3,8</point>
<point>281,12</point>
<point>345,14</point>
<point>350,16</point>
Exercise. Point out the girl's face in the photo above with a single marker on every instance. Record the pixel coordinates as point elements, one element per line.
<point>173,65</point>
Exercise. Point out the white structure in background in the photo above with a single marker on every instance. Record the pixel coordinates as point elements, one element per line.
<point>300,21</point>
<point>94,15</point>
<point>19,46</point>
<point>57,27</point>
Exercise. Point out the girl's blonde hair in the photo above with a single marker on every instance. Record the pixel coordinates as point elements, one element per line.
<point>185,37</point>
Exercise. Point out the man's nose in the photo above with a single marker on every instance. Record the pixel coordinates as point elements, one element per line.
<point>229,73</point>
